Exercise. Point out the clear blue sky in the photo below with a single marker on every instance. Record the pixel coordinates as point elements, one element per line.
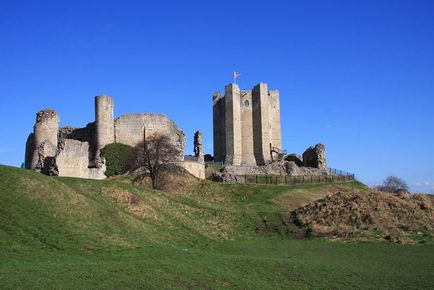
<point>357,76</point>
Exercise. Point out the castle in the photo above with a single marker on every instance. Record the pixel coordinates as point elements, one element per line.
<point>76,152</point>
<point>247,138</point>
<point>246,125</point>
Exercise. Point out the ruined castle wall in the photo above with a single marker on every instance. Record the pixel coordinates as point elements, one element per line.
<point>30,149</point>
<point>261,123</point>
<point>73,159</point>
<point>276,131</point>
<point>233,125</point>
<point>45,137</point>
<point>104,122</point>
<point>219,136</point>
<point>86,134</point>
<point>248,156</point>
<point>194,168</point>
<point>130,129</point>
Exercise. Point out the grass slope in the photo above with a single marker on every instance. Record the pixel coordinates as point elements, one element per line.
<point>74,233</point>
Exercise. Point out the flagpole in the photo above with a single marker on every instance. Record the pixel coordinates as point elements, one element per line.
<point>235,78</point>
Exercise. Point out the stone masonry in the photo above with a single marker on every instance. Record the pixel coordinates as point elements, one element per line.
<point>314,156</point>
<point>246,125</point>
<point>76,152</point>
<point>198,146</point>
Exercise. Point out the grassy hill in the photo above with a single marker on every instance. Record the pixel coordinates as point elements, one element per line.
<point>75,233</point>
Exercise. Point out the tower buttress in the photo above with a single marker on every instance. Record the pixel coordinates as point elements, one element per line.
<point>261,123</point>
<point>233,125</point>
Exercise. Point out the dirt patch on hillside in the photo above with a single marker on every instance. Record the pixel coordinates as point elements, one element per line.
<point>399,218</point>
<point>131,202</point>
<point>173,179</point>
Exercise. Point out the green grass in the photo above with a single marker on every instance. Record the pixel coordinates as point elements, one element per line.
<point>74,233</point>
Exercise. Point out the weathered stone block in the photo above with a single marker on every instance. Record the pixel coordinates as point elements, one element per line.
<point>315,157</point>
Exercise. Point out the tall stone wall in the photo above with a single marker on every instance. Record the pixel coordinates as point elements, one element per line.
<point>219,130</point>
<point>276,131</point>
<point>104,122</point>
<point>45,138</point>
<point>233,124</point>
<point>130,129</point>
<point>30,150</point>
<point>73,159</point>
<point>86,134</point>
<point>261,123</point>
<point>248,155</point>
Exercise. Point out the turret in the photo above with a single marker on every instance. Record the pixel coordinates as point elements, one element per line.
<point>104,124</point>
<point>45,137</point>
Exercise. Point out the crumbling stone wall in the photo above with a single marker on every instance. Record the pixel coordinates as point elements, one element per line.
<point>314,156</point>
<point>43,142</point>
<point>75,152</point>
<point>130,129</point>
<point>73,160</point>
<point>198,145</point>
<point>86,134</point>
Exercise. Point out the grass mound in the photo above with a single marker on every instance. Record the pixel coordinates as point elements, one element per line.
<point>72,233</point>
<point>400,218</point>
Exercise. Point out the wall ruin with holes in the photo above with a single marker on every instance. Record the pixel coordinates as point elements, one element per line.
<point>76,152</point>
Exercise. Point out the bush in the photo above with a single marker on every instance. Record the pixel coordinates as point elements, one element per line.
<point>118,158</point>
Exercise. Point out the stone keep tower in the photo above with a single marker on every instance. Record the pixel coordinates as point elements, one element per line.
<point>105,130</point>
<point>246,125</point>
<point>45,138</point>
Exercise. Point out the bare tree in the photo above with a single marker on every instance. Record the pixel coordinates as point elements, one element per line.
<point>393,184</point>
<point>156,152</point>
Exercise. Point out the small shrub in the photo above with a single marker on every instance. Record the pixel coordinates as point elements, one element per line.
<point>118,158</point>
<point>393,184</point>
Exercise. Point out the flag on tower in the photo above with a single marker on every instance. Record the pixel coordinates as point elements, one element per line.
<point>236,74</point>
